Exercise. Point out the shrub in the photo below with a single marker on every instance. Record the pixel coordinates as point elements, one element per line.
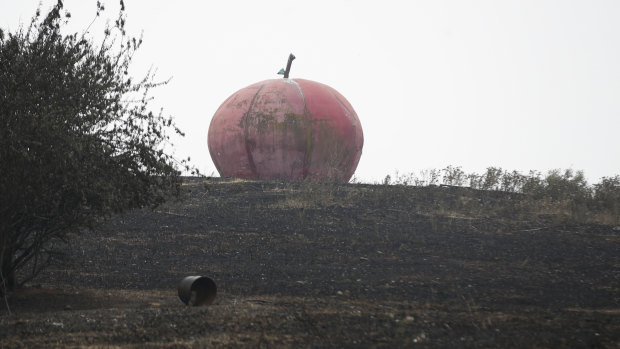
<point>453,176</point>
<point>607,196</point>
<point>564,192</point>
<point>77,141</point>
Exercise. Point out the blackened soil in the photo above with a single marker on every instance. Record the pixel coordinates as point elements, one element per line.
<point>321,265</point>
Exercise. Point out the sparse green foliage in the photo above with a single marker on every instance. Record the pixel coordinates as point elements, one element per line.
<point>453,176</point>
<point>567,185</point>
<point>607,196</point>
<point>533,184</point>
<point>512,181</point>
<point>492,179</point>
<point>566,191</point>
<point>388,180</point>
<point>77,141</point>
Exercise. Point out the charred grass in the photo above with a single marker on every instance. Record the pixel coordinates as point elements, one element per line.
<point>306,264</point>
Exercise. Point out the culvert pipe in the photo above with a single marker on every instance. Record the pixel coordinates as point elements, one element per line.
<point>197,290</point>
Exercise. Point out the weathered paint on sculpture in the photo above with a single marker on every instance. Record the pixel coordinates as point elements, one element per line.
<point>286,129</point>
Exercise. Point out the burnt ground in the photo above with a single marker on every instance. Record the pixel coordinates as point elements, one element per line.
<point>321,265</point>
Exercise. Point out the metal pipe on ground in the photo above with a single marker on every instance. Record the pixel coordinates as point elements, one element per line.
<point>197,290</point>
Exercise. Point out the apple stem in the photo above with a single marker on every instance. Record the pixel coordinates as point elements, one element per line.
<point>288,65</point>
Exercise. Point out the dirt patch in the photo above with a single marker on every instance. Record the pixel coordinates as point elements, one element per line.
<point>320,265</point>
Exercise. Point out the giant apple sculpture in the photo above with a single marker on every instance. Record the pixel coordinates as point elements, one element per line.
<point>286,129</point>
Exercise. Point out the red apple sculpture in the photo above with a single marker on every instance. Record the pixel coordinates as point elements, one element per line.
<point>286,129</point>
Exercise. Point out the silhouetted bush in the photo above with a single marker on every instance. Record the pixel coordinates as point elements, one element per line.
<point>77,141</point>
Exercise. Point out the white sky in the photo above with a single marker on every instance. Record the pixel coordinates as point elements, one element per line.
<point>522,85</point>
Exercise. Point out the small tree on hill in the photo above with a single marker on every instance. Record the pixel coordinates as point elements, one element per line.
<point>77,141</point>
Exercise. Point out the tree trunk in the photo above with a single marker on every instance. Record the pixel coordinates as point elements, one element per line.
<point>7,275</point>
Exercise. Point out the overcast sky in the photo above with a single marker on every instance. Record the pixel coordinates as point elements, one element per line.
<point>523,85</point>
